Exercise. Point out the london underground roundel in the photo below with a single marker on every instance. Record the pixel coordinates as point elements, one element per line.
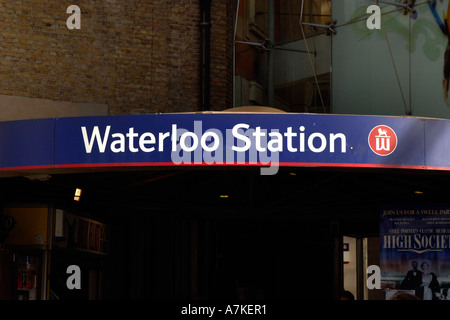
<point>382,140</point>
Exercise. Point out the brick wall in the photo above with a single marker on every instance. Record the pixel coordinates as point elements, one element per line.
<point>135,56</point>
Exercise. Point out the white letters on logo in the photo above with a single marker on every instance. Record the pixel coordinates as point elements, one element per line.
<point>383,144</point>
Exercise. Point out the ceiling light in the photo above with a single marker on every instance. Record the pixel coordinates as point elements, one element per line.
<point>418,192</point>
<point>224,196</point>
<point>77,195</point>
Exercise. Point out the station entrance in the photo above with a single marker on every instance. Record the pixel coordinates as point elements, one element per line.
<point>223,233</point>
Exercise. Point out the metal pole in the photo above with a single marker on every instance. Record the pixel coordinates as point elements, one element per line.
<point>270,75</point>
<point>205,27</point>
<point>251,43</point>
<point>234,53</point>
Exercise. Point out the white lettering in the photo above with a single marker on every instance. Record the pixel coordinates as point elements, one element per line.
<point>278,141</point>
<point>131,135</point>
<point>95,136</point>
<point>215,138</point>
<point>162,136</point>
<point>289,135</point>
<point>302,139</point>
<point>258,134</point>
<point>241,137</point>
<point>174,137</point>
<point>341,136</point>
<point>242,144</point>
<point>120,142</point>
<point>323,142</point>
<point>194,140</point>
<point>143,141</point>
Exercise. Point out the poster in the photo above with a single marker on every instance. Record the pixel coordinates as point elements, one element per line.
<point>25,279</point>
<point>415,251</point>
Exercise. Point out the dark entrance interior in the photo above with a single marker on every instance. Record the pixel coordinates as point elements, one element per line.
<point>229,232</point>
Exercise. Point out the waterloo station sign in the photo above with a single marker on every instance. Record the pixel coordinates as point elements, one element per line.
<point>230,139</point>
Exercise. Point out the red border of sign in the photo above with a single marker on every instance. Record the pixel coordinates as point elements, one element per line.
<point>171,164</point>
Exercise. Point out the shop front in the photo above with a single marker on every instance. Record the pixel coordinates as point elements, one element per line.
<point>41,246</point>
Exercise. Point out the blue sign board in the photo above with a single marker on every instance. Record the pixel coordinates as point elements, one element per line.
<point>228,139</point>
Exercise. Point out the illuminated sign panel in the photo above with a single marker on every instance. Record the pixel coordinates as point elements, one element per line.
<point>266,140</point>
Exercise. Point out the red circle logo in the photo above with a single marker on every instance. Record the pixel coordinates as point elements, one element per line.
<point>382,140</point>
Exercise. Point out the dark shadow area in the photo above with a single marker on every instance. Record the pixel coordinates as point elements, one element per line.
<point>223,233</point>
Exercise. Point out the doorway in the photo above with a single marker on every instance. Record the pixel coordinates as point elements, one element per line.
<point>358,254</point>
